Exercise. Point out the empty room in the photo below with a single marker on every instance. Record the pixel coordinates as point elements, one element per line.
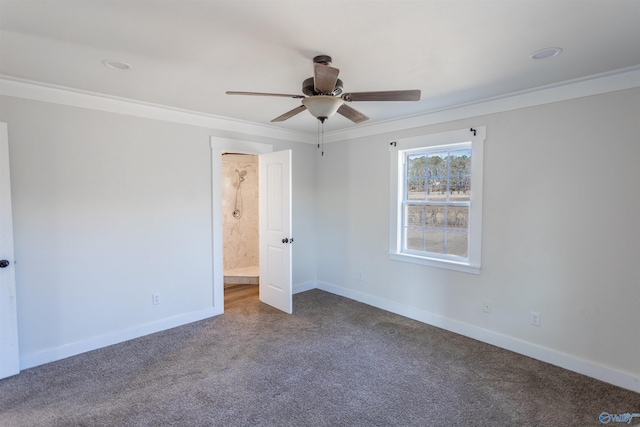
<point>286,213</point>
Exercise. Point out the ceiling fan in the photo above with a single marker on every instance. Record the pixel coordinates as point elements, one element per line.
<point>325,97</point>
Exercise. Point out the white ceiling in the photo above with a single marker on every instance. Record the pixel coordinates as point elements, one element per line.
<point>186,54</point>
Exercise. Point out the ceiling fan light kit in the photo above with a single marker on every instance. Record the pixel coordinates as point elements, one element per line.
<point>325,97</point>
<point>322,106</point>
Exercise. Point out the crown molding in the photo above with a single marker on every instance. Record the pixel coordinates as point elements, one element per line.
<point>37,91</point>
<point>627,78</point>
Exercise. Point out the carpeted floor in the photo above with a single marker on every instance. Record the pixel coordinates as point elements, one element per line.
<point>334,362</point>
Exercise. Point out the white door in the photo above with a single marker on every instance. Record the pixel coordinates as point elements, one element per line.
<point>9,360</point>
<point>275,230</point>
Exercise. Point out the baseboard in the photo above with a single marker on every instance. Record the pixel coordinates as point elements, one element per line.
<point>303,287</point>
<point>94,343</point>
<point>572,363</point>
<point>590,369</point>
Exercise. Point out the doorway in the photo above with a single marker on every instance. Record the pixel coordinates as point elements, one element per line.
<point>240,220</point>
<point>274,177</point>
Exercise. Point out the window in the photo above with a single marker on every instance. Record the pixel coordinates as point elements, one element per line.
<point>436,193</point>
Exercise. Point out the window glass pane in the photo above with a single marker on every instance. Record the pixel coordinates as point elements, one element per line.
<point>460,162</point>
<point>415,216</point>
<point>416,189</point>
<point>438,172</point>
<point>458,217</point>
<point>437,164</point>
<point>460,175</point>
<point>460,189</point>
<point>458,244</point>
<point>416,176</point>
<point>434,241</point>
<point>415,239</point>
<point>417,165</point>
<point>434,216</point>
<point>437,189</point>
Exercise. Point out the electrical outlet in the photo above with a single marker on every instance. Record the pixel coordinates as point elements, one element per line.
<point>486,306</point>
<point>534,318</point>
<point>156,299</point>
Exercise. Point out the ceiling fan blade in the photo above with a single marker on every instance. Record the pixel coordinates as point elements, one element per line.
<point>230,92</point>
<point>352,114</point>
<point>289,114</point>
<point>324,78</point>
<point>390,95</point>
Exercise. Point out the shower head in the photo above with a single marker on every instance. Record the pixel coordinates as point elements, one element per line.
<point>240,176</point>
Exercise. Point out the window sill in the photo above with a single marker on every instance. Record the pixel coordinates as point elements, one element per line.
<point>434,262</point>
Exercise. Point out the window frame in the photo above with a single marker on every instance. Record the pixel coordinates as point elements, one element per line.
<point>399,149</point>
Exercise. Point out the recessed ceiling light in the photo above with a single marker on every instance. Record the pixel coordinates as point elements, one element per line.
<point>116,65</point>
<point>548,52</point>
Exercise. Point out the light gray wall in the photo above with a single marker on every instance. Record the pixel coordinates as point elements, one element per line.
<point>560,231</point>
<point>110,209</point>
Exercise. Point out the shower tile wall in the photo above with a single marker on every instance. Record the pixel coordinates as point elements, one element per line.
<point>240,234</point>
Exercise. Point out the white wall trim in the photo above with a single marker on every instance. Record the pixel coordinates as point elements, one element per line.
<point>594,370</point>
<point>93,343</point>
<point>593,85</point>
<point>36,91</point>
<point>303,287</point>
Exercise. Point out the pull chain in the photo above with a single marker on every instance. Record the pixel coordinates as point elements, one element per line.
<point>320,134</point>
<point>322,137</point>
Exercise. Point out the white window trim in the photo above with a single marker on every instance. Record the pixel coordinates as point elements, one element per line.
<point>397,149</point>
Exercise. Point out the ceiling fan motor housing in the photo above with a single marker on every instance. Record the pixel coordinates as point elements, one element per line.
<point>322,59</point>
<point>308,88</point>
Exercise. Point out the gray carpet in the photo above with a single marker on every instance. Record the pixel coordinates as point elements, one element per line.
<point>334,362</point>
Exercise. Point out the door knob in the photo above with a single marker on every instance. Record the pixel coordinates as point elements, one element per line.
<point>4,263</point>
<point>285,240</point>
